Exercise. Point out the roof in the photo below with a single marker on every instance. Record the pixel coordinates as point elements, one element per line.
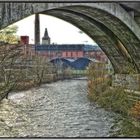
<point>79,64</point>
<point>63,47</point>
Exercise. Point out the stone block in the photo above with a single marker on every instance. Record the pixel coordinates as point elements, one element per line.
<point>126,81</point>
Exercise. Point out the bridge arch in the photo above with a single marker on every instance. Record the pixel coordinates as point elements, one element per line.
<point>108,43</point>
<point>110,15</point>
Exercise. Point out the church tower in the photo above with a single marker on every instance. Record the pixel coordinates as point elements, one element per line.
<point>46,38</point>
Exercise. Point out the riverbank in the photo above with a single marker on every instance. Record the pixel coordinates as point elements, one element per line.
<point>11,119</point>
<point>115,98</point>
<point>51,78</point>
<point>26,85</point>
<point>118,101</point>
<point>31,83</point>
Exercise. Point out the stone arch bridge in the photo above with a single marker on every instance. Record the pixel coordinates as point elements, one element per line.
<point>112,26</point>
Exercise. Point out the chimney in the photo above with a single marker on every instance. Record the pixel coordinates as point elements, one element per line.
<point>37,29</point>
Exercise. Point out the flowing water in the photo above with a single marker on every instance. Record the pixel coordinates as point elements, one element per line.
<point>59,109</point>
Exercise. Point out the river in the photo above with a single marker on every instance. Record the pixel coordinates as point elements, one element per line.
<point>59,109</point>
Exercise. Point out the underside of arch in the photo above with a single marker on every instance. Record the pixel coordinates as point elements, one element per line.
<point>103,36</point>
<point>124,34</point>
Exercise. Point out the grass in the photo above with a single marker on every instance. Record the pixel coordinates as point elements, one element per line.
<point>117,100</point>
<point>114,99</point>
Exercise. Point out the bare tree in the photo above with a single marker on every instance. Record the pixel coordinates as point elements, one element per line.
<point>40,68</point>
<point>8,75</point>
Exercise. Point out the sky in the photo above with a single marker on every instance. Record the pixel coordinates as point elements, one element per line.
<point>59,31</point>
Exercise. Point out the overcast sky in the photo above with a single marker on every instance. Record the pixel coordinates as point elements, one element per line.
<point>60,32</point>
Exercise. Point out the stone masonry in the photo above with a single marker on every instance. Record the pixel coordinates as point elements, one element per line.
<point>131,81</point>
<point>111,22</point>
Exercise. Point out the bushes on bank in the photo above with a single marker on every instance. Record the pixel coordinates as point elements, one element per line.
<point>135,111</point>
<point>100,90</point>
<point>115,99</point>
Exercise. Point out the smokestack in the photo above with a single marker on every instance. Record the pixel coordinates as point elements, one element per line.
<point>37,29</point>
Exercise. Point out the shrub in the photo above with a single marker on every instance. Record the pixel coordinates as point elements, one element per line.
<point>135,110</point>
<point>115,99</point>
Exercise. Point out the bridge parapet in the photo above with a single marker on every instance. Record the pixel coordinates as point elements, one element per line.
<point>111,16</point>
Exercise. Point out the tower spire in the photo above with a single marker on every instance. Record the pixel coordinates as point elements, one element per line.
<point>46,33</point>
<point>46,38</point>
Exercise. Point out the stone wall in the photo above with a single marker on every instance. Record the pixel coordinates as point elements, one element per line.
<point>127,81</point>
